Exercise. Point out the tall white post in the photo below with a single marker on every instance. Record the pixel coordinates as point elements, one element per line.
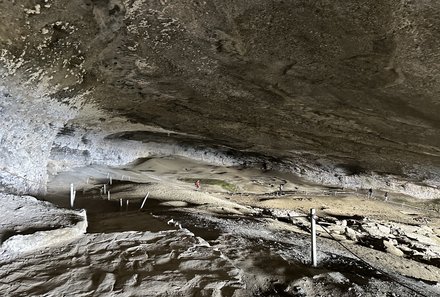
<point>145,199</point>
<point>120,203</point>
<point>105,189</point>
<point>72,195</point>
<point>313,231</point>
<point>108,195</point>
<point>110,180</point>
<point>126,204</point>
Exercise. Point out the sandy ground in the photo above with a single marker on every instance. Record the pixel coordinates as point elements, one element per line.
<point>236,236</point>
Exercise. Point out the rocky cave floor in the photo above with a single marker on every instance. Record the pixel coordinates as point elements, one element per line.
<point>236,236</point>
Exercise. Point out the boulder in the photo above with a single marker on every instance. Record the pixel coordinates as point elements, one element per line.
<point>421,238</point>
<point>392,249</point>
<point>352,234</point>
<point>377,230</point>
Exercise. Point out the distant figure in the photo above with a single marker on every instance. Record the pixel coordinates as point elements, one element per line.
<point>197,184</point>
<point>281,189</point>
<point>370,193</point>
<point>386,196</point>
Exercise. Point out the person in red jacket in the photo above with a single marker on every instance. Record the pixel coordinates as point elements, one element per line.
<point>197,184</point>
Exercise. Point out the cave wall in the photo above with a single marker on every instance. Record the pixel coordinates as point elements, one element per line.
<point>29,123</point>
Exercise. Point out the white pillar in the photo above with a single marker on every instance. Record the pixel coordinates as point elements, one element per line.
<point>108,195</point>
<point>145,199</point>
<point>110,180</point>
<point>105,189</point>
<point>313,231</point>
<point>72,195</point>
<point>120,203</point>
<point>126,204</point>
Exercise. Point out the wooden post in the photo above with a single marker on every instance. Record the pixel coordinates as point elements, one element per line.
<point>313,231</point>
<point>145,199</point>
<point>72,195</point>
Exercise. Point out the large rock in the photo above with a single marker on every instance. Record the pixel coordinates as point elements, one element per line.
<point>392,249</point>
<point>352,234</point>
<point>29,225</point>
<point>377,230</point>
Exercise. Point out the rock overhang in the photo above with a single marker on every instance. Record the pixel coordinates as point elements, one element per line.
<point>332,83</point>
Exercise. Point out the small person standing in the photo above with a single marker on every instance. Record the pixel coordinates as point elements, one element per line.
<point>370,193</point>
<point>281,189</point>
<point>197,184</point>
<point>386,196</point>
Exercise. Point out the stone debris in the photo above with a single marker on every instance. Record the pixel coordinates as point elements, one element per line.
<point>414,242</point>
<point>36,10</point>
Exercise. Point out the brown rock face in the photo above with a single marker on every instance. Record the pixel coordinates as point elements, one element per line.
<point>354,83</point>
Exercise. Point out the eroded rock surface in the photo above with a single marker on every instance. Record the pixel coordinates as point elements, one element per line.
<point>28,225</point>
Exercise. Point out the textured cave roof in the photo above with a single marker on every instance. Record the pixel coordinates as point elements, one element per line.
<point>355,82</point>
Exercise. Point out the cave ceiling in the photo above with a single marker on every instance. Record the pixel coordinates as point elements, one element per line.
<point>354,82</point>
